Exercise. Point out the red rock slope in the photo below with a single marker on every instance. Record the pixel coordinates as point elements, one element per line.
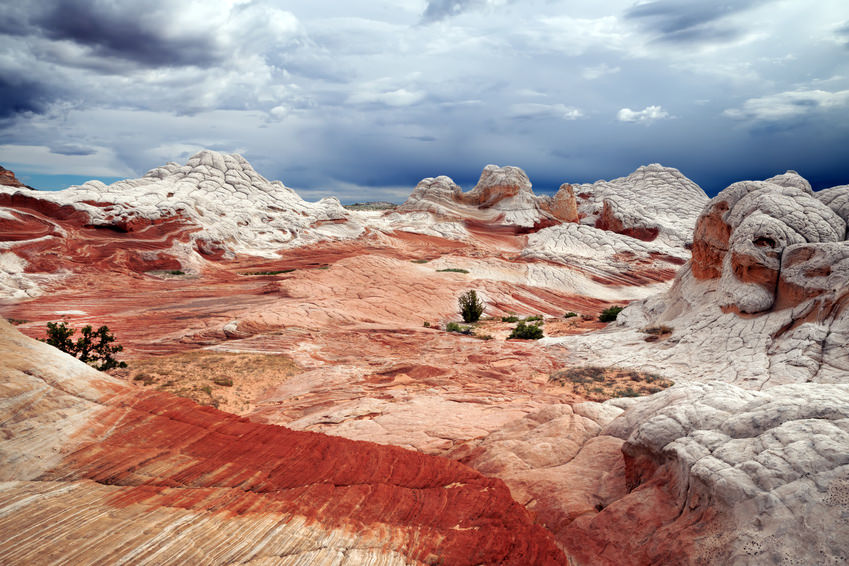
<point>92,471</point>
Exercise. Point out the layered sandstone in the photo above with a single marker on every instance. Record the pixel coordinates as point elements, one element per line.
<point>102,472</point>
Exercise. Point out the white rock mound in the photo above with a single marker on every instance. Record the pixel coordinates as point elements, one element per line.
<point>237,210</point>
<point>761,303</point>
<point>503,195</point>
<point>653,202</point>
<point>774,465</point>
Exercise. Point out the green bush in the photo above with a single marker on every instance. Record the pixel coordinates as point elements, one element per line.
<point>471,307</point>
<point>526,331</point>
<point>533,318</point>
<point>511,318</point>
<point>609,314</point>
<point>92,347</point>
<point>570,315</point>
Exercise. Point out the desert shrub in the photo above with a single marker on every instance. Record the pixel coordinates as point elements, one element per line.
<point>452,270</point>
<point>275,272</point>
<point>526,332</point>
<point>483,336</point>
<point>455,327</point>
<point>533,318</point>
<point>471,307</point>
<point>93,347</point>
<point>627,392</point>
<point>426,324</point>
<point>175,272</point>
<point>420,260</point>
<point>609,314</point>
<point>658,332</point>
<point>223,381</point>
<point>16,321</point>
<point>511,318</point>
<point>570,315</point>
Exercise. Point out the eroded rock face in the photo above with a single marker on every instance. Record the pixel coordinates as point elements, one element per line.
<point>744,231</point>
<point>763,301</point>
<point>768,470</point>
<point>101,471</point>
<point>653,202</point>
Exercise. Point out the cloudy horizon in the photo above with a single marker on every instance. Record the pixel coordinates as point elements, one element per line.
<point>363,100</point>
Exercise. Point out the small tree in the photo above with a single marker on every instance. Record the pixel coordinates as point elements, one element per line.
<point>471,307</point>
<point>93,347</point>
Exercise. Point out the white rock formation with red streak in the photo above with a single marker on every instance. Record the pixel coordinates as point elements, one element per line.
<point>502,195</point>
<point>653,202</point>
<point>762,302</point>
<point>234,209</point>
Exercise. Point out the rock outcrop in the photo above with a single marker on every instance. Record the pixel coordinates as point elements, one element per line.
<point>215,205</point>
<point>94,471</point>
<point>7,178</point>
<point>763,301</point>
<point>653,202</point>
<point>503,195</point>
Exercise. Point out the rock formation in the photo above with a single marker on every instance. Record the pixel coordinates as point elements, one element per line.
<point>174,217</point>
<point>763,300</point>
<point>8,179</point>
<point>96,471</point>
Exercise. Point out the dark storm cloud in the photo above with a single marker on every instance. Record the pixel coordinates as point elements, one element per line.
<point>72,149</point>
<point>19,95</point>
<point>690,21</point>
<point>122,31</point>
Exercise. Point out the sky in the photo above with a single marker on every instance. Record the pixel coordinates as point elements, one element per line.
<point>363,99</point>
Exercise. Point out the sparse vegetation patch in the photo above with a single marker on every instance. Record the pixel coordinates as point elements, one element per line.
<point>456,327</point>
<point>658,332</point>
<point>570,315</point>
<point>276,272</point>
<point>599,383</point>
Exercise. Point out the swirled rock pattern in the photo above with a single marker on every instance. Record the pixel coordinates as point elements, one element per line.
<point>763,301</point>
<point>653,202</point>
<point>93,471</point>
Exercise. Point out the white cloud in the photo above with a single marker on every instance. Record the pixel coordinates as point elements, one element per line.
<point>397,97</point>
<point>790,104</point>
<point>646,115</point>
<point>535,110</point>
